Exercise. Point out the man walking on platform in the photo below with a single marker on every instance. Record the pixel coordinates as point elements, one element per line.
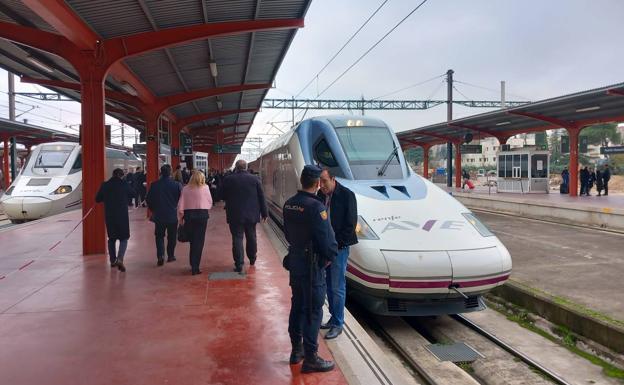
<point>162,200</point>
<point>312,247</point>
<point>114,194</point>
<point>244,205</point>
<point>342,210</point>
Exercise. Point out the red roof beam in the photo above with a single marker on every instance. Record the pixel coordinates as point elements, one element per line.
<point>443,137</point>
<point>473,128</point>
<point>205,130</point>
<point>210,115</point>
<point>543,118</point>
<point>615,92</point>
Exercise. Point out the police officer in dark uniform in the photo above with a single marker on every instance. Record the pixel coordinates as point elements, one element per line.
<point>312,248</point>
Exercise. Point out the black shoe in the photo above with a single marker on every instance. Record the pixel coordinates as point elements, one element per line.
<point>172,259</point>
<point>160,262</point>
<point>333,332</point>
<point>238,269</point>
<point>121,267</point>
<point>296,355</point>
<point>195,272</point>
<point>114,263</point>
<point>326,326</point>
<point>316,364</point>
<point>252,261</point>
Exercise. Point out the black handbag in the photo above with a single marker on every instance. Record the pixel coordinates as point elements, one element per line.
<point>182,235</point>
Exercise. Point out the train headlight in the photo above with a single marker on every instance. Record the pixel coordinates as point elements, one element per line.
<point>478,225</point>
<point>363,230</point>
<point>62,190</point>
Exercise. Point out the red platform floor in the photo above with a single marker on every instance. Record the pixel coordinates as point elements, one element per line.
<point>66,319</point>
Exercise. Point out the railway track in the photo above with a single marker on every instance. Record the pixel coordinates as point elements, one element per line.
<point>432,372</point>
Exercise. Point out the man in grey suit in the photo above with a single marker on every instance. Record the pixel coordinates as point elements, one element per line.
<point>245,206</point>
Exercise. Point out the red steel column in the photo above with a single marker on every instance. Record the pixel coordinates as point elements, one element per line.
<point>151,164</point>
<point>426,161</point>
<point>93,174</point>
<point>458,167</point>
<point>573,165</point>
<point>5,165</point>
<point>175,143</point>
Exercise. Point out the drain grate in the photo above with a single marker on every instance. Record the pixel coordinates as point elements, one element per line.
<point>456,352</point>
<point>225,275</point>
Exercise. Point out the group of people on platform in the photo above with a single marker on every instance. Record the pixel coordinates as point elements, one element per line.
<point>589,177</point>
<point>319,225</point>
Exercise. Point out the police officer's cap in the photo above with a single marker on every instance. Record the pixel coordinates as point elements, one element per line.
<point>312,171</point>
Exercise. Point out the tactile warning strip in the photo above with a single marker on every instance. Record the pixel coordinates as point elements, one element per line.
<point>456,352</point>
<point>225,275</point>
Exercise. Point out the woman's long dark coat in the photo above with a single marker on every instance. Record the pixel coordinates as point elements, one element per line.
<point>114,194</point>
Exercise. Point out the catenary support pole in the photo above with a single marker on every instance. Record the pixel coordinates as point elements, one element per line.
<point>5,164</point>
<point>449,118</point>
<point>458,169</point>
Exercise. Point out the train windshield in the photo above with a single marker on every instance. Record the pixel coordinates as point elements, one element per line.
<point>53,156</point>
<point>366,145</point>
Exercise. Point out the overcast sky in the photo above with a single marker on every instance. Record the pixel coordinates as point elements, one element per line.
<point>540,48</point>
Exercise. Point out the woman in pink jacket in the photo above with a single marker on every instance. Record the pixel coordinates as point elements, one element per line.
<point>193,209</point>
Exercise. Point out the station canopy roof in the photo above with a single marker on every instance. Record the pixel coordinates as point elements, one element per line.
<point>240,59</point>
<point>31,135</point>
<point>600,105</point>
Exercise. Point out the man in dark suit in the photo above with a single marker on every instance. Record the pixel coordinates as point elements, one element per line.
<point>342,210</point>
<point>606,177</point>
<point>113,193</point>
<point>162,200</point>
<point>244,205</point>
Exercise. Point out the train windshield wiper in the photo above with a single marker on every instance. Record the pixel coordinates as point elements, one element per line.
<point>393,154</point>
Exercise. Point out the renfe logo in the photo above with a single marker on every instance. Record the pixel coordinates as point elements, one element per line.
<point>428,226</point>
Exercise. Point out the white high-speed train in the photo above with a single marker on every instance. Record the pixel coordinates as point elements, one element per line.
<point>420,251</point>
<point>51,180</point>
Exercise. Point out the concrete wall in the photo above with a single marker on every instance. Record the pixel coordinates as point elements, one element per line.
<point>574,214</point>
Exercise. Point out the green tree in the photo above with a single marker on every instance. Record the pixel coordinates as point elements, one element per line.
<point>602,134</point>
<point>414,155</point>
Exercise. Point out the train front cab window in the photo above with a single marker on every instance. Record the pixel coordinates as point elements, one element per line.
<point>369,146</point>
<point>53,156</point>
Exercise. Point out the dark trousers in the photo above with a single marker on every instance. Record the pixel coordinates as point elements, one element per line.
<point>306,309</point>
<point>583,188</point>
<point>248,230</point>
<point>113,253</point>
<point>196,230</point>
<point>139,198</point>
<point>159,233</point>
<point>606,187</point>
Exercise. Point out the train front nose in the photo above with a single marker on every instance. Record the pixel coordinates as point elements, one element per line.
<point>26,207</point>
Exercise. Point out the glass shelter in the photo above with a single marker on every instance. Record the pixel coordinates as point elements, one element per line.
<point>523,171</point>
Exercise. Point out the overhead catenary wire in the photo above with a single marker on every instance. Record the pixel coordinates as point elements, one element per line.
<point>488,89</point>
<point>315,77</point>
<point>372,47</point>
<point>408,87</point>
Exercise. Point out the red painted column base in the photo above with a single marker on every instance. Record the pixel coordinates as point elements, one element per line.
<point>573,166</point>
<point>458,167</point>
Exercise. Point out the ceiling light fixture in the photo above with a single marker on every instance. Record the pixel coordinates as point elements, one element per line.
<point>129,88</point>
<point>219,104</point>
<point>213,68</point>
<point>39,64</point>
<point>586,109</point>
<point>503,123</point>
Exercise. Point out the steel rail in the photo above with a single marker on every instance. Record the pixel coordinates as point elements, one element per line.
<point>511,350</point>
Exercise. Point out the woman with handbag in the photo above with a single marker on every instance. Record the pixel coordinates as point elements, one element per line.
<point>193,216</point>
